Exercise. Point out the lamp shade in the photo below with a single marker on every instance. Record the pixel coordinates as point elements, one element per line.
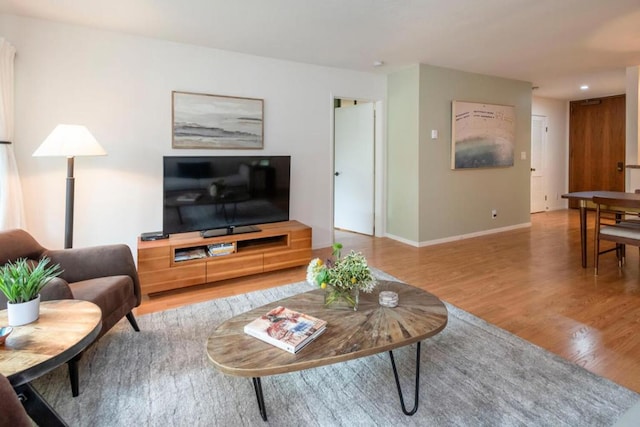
<point>70,141</point>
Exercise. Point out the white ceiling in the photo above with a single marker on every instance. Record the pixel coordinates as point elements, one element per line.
<point>557,45</point>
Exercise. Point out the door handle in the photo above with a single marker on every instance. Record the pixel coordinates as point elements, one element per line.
<point>336,173</point>
<point>533,169</point>
<point>620,166</point>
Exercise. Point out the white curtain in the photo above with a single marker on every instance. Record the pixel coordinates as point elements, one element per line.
<point>11,205</point>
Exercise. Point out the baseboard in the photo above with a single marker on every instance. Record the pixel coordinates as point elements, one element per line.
<point>458,237</point>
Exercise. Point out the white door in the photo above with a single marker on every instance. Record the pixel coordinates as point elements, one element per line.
<point>538,141</point>
<point>353,168</point>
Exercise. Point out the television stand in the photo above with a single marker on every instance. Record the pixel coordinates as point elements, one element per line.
<point>189,259</point>
<point>229,230</point>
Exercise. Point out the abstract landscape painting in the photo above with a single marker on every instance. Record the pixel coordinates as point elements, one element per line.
<point>483,135</point>
<point>214,121</point>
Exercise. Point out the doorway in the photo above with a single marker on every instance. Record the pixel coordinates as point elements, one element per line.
<point>597,144</point>
<point>538,148</point>
<point>354,160</point>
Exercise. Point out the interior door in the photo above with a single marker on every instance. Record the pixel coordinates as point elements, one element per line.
<point>597,144</point>
<point>354,168</point>
<point>538,141</point>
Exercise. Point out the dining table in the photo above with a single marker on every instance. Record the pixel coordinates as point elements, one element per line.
<point>585,199</point>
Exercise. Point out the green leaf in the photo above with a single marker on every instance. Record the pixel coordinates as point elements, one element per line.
<point>20,281</point>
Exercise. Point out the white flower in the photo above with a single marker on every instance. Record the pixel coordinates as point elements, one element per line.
<point>313,269</point>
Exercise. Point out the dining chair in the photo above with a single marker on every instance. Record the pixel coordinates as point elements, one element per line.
<point>613,226</point>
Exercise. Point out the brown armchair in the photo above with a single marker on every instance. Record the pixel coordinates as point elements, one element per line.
<point>12,413</point>
<point>105,275</point>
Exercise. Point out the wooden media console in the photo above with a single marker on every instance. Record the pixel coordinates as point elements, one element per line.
<point>188,259</point>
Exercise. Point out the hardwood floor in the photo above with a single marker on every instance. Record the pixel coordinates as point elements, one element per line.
<point>527,281</point>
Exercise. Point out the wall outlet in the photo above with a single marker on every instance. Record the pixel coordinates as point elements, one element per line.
<point>494,213</point>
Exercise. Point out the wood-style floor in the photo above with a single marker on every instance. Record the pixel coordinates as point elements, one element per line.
<point>527,281</point>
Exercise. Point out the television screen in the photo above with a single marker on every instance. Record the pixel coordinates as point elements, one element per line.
<point>221,192</point>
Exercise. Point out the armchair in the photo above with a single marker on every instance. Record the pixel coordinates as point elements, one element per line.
<point>12,413</point>
<point>105,275</point>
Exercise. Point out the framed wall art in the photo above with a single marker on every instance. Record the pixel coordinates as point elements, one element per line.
<point>216,121</point>
<point>483,135</point>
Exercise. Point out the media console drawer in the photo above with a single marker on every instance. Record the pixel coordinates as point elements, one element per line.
<point>171,278</point>
<point>276,246</point>
<point>228,267</point>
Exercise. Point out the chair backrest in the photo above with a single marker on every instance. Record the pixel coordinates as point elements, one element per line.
<point>631,204</point>
<point>617,220</point>
<point>17,243</point>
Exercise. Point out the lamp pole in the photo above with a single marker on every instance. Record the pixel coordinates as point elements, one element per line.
<point>69,141</point>
<point>68,217</point>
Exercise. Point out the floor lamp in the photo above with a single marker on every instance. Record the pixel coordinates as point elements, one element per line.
<point>69,141</point>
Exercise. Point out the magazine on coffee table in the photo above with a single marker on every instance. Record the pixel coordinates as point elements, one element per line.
<point>287,329</point>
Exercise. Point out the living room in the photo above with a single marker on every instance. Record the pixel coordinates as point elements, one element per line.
<point>61,69</point>
<point>120,85</point>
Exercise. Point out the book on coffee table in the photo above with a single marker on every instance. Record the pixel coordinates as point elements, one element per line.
<point>287,329</point>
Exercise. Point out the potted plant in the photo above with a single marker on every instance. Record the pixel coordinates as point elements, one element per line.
<point>21,282</point>
<point>342,278</point>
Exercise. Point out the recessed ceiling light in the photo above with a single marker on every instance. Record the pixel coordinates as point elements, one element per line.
<point>584,87</point>
<point>378,63</point>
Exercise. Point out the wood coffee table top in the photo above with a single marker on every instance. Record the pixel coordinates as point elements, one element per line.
<point>64,329</point>
<point>349,335</point>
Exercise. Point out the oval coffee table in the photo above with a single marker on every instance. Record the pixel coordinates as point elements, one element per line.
<point>349,335</point>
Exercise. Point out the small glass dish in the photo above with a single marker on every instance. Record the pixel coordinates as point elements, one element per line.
<point>388,299</point>
<point>4,333</point>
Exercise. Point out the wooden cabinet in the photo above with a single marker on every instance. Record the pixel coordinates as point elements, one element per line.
<point>185,259</point>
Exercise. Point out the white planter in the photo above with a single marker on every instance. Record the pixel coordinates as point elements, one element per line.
<point>24,312</point>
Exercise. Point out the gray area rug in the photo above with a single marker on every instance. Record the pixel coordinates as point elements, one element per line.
<point>471,374</point>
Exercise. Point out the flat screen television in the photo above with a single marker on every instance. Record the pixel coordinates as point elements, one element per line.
<point>219,195</point>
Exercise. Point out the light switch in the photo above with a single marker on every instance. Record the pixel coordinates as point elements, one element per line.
<point>523,155</point>
<point>434,134</point>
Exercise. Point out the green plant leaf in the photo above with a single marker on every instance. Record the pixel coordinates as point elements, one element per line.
<point>20,281</point>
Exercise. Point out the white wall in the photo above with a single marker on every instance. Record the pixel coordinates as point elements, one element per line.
<point>556,156</point>
<point>120,87</point>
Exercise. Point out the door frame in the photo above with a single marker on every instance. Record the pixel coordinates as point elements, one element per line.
<point>379,168</point>
<point>543,163</point>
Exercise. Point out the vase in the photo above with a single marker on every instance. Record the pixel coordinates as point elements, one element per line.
<point>24,312</point>
<point>337,298</point>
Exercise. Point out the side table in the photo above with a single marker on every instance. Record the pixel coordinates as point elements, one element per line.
<point>63,330</point>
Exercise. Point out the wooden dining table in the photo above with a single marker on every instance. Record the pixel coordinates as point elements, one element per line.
<point>585,198</point>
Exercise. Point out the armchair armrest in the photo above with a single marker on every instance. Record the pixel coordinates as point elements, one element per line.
<point>94,262</point>
<point>57,288</point>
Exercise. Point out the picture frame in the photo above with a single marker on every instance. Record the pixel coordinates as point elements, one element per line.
<point>482,135</point>
<point>216,121</point>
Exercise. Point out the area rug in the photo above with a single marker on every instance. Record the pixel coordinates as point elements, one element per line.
<point>471,374</point>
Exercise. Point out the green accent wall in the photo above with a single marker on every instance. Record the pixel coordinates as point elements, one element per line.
<point>403,100</point>
<point>442,203</point>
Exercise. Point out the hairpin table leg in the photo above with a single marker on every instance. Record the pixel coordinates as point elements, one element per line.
<point>395,373</point>
<point>257,385</point>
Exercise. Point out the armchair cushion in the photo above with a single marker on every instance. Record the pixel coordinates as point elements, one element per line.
<point>81,264</point>
<point>112,294</point>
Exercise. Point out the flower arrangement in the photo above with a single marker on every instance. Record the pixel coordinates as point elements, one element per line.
<point>342,277</point>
